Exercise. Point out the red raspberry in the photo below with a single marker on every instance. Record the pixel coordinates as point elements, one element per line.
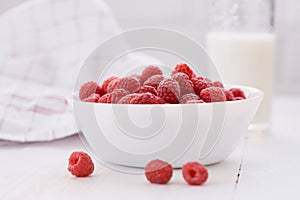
<point>150,71</point>
<point>147,88</point>
<point>117,94</point>
<point>87,89</point>
<point>237,92</point>
<point>194,173</point>
<point>146,98</point>
<point>213,94</point>
<point>105,98</point>
<point>107,82</point>
<point>195,101</point>
<point>80,164</point>
<point>184,68</point>
<point>94,98</point>
<point>229,95</point>
<point>131,84</point>
<point>126,99</point>
<point>186,86</point>
<point>112,85</point>
<point>158,171</point>
<point>160,100</point>
<point>237,98</point>
<point>187,97</point>
<point>154,81</point>
<point>138,77</point>
<point>200,83</point>
<point>169,90</point>
<point>218,84</point>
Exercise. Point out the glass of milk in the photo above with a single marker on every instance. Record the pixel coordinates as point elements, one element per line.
<point>241,43</point>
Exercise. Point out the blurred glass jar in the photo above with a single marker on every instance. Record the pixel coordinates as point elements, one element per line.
<point>241,42</point>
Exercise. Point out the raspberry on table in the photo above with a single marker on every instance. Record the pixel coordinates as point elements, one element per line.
<point>229,95</point>
<point>93,98</point>
<point>195,101</point>
<point>131,84</point>
<point>117,94</point>
<point>237,92</point>
<point>187,97</point>
<point>194,173</point>
<point>87,89</point>
<point>201,83</point>
<point>154,80</point>
<point>158,172</point>
<point>218,84</point>
<point>213,94</point>
<point>169,90</point>
<point>105,98</point>
<point>186,85</point>
<point>184,68</point>
<point>146,98</point>
<point>80,164</point>
<point>150,71</point>
<point>126,99</point>
<point>107,82</point>
<point>147,88</point>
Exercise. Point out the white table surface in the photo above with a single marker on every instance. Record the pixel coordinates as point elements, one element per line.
<point>266,165</point>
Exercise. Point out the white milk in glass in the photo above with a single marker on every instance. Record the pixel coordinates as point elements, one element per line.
<point>246,59</point>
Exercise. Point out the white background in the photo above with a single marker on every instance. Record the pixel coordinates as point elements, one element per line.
<point>189,17</point>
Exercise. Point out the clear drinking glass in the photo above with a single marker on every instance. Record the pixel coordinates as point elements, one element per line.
<point>241,42</point>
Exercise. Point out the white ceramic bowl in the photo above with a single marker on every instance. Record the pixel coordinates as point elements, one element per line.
<point>132,135</point>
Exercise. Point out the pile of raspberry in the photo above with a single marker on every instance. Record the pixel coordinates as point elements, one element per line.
<point>152,87</point>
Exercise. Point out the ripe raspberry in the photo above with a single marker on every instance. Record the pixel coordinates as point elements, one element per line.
<point>150,71</point>
<point>138,77</point>
<point>218,84</point>
<point>146,98</point>
<point>237,92</point>
<point>147,88</point>
<point>107,82</point>
<point>229,95</point>
<point>87,89</point>
<point>94,98</point>
<point>184,68</point>
<point>237,98</point>
<point>80,164</point>
<point>126,99</point>
<point>200,83</point>
<point>117,94</point>
<point>194,173</point>
<point>131,84</point>
<point>158,171</point>
<point>169,90</point>
<point>112,85</point>
<point>105,98</point>
<point>187,97</point>
<point>195,101</point>
<point>186,86</point>
<point>154,81</point>
<point>213,94</point>
<point>160,101</point>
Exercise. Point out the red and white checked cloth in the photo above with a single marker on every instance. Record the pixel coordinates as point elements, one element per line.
<point>42,44</point>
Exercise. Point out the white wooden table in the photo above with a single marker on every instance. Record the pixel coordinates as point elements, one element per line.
<point>264,166</point>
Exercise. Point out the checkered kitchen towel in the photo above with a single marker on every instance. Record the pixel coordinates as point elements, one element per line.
<point>42,43</point>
